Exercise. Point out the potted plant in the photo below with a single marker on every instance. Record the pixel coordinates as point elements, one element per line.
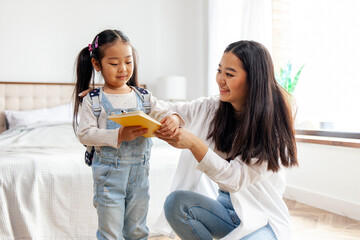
<point>285,79</point>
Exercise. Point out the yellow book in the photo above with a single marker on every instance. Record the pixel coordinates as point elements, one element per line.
<point>137,118</point>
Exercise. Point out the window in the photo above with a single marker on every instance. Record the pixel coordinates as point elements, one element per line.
<point>322,34</point>
<point>325,36</point>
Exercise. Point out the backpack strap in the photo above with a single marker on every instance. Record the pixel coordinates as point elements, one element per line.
<point>89,155</point>
<point>96,102</point>
<point>145,97</point>
<point>96,107</point>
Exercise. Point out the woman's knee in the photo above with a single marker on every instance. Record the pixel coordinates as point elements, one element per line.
<point>173,203</point>
<point>174,199</point>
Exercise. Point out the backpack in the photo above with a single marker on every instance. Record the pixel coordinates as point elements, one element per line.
<point>96,106</point>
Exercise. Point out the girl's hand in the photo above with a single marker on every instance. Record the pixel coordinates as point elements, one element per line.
<point>169,125</point>
<point>131,132</point>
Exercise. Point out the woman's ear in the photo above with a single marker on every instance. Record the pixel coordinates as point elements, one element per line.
<point>96,64</point>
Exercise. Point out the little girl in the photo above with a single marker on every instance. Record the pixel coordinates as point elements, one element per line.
<point>121,161</point>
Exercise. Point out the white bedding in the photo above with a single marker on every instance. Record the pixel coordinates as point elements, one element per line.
<point>46,188</point>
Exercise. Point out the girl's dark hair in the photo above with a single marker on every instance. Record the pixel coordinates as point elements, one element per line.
<point>84,69</point>
<point>264,129</point>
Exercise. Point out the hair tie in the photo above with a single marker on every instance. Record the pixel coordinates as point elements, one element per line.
<point>96,42</point>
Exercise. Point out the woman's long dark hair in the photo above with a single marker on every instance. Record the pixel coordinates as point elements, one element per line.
<point>84,69</point>
<point>264,129</point>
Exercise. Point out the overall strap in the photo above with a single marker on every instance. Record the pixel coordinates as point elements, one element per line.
<point>106,104</point>
<point>144,96</point>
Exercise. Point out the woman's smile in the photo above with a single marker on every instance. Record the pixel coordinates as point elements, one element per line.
<point>224,91</point>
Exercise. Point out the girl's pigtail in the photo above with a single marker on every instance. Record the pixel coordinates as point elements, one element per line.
<point>133,81</point>
<point>84,73</point>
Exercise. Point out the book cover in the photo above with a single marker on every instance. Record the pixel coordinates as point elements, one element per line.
<point>137,118</point>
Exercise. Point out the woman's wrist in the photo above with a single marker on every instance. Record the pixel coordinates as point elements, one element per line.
<point>198,148</point>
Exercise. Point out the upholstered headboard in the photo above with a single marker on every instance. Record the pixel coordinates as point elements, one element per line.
<point>28,96</point>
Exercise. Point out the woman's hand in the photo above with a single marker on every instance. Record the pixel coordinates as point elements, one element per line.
<point>83,93</point>
<point>184,139</point>
<point>169,125</point>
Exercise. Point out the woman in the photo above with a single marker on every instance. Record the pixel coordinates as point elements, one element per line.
<point>242,140</point>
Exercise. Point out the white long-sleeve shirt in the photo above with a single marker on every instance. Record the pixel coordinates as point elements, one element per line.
<point>255,192</point>
<point>92,130</point>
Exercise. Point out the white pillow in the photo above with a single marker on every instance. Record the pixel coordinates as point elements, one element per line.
<point>62,113</point>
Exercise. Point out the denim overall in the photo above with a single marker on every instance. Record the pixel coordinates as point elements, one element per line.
<point>121,184</point>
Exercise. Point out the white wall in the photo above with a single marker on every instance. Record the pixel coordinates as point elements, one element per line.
<point>327,178</point>
<point>40,39</point>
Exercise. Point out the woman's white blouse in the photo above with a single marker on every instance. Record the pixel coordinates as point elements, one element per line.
<point>255,192</point>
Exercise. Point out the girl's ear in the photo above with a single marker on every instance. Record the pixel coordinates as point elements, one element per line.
<point>96,64</point>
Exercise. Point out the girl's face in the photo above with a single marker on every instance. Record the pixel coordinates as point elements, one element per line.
<point>116,66</point>
<point>231,79</point>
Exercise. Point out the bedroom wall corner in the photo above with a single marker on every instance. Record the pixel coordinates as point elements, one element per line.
<point>327,178</point>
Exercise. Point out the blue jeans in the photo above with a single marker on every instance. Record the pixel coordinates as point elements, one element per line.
<point>121,200</point>
<point>195,216</point>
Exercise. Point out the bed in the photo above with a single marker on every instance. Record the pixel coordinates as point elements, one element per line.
<point>45,186</point>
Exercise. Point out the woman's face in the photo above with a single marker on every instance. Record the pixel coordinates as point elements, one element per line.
<point>231,79</point>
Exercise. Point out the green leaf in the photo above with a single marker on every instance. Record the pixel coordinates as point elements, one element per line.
<point>296,79</point>
<point>285,79</point>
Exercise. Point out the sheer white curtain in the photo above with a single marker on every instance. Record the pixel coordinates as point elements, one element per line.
<point>326,38</point>
<point>234,20</point>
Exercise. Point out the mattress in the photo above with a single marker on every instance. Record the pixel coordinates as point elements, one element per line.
<point>46,188</point>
